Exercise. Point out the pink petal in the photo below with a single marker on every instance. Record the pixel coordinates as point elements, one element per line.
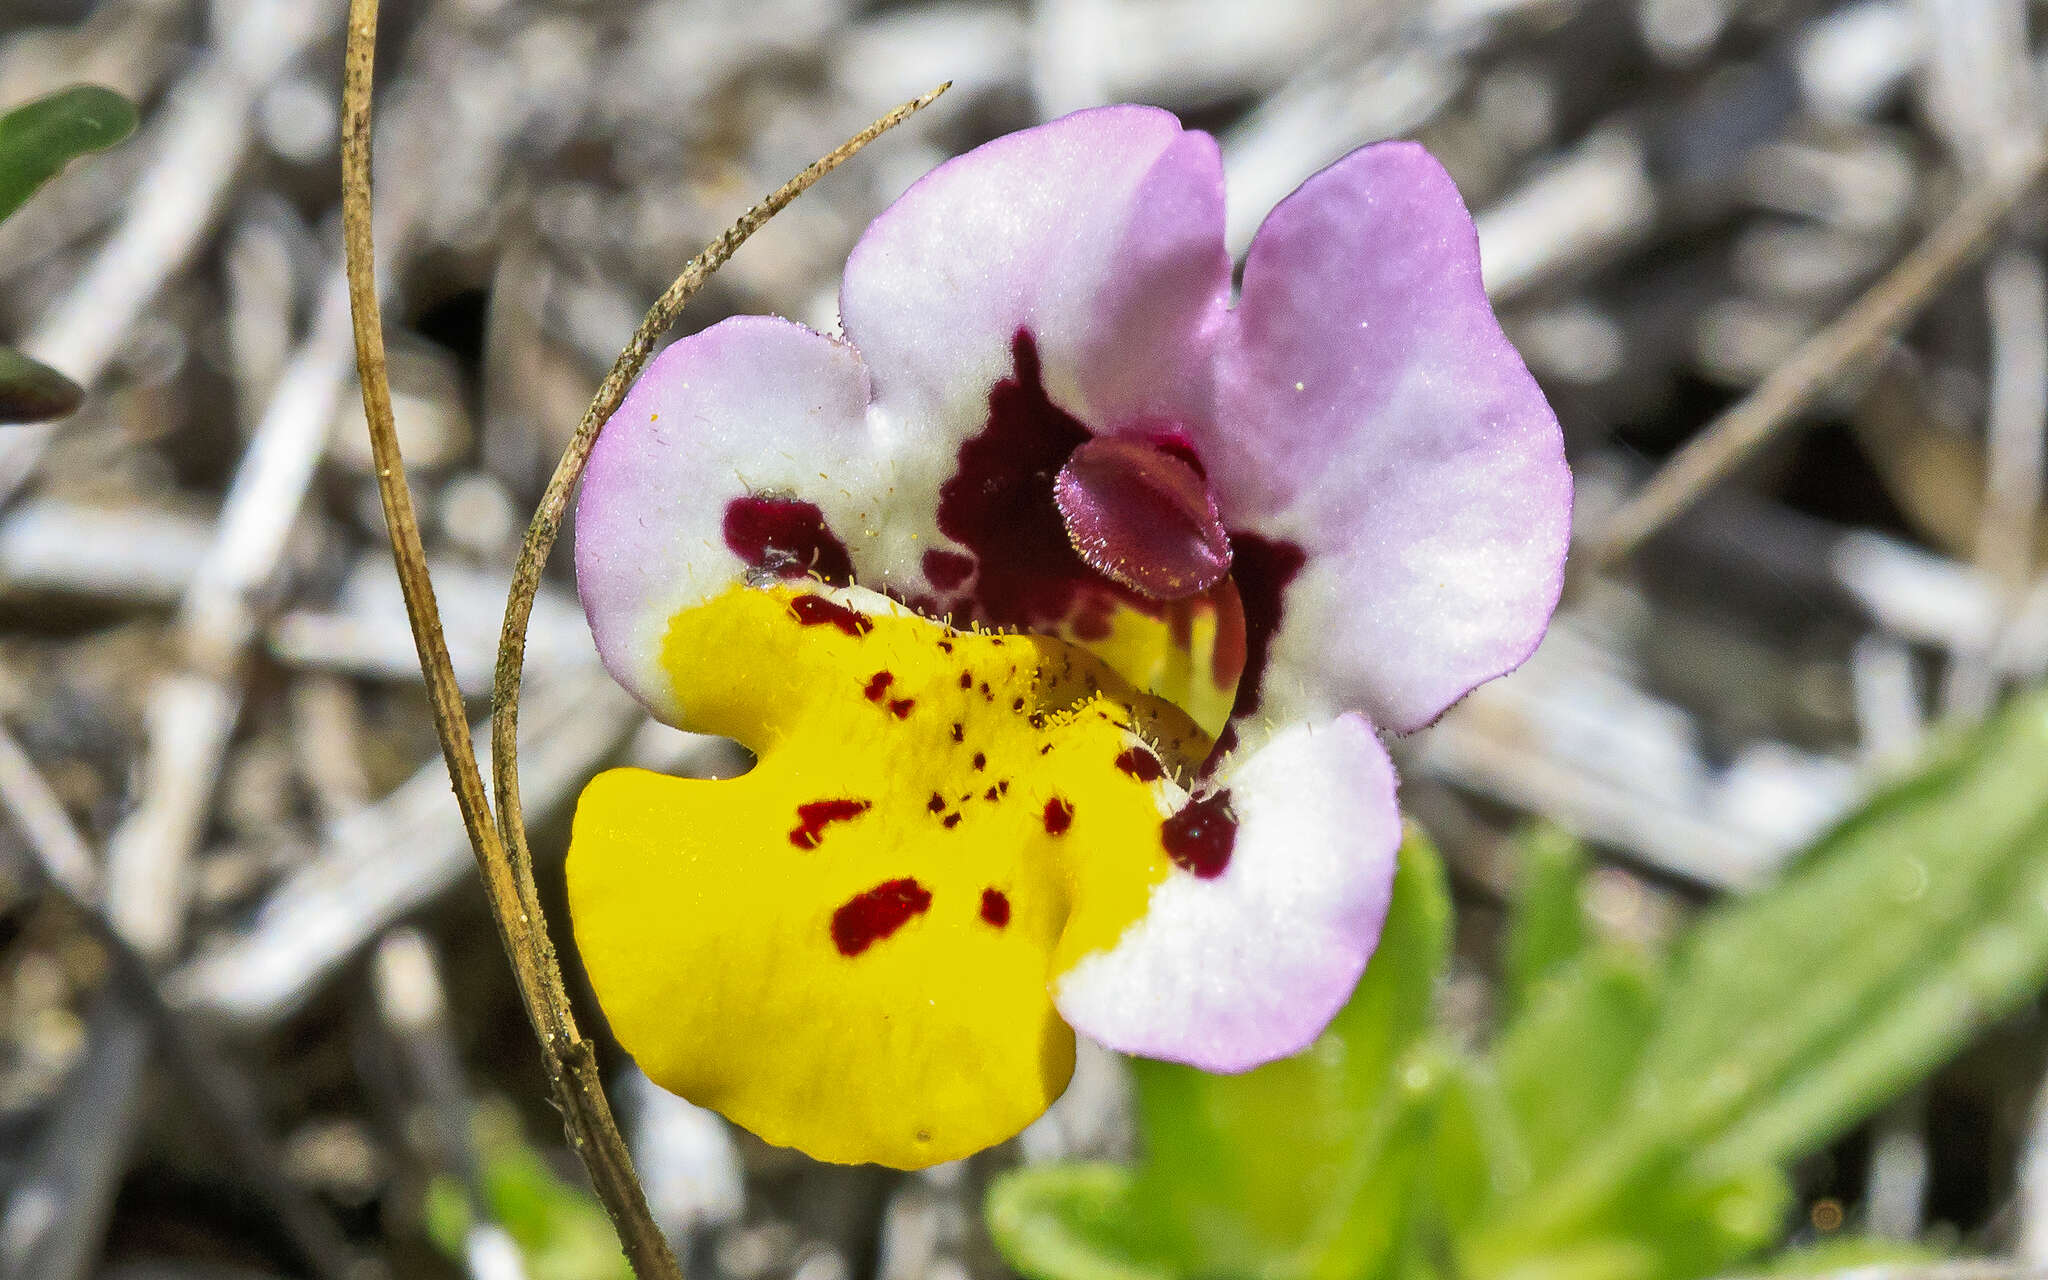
<point>711,467</point>
<point>1098,236</point>
<point>1142,517</point>
<point>1378,421</point>
<point>1246,953</point>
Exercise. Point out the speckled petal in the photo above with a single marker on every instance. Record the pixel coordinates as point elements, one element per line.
<point>1380,422</point>
<point>756,411</point>
<point>1228,971</point>
<point>846,949</point>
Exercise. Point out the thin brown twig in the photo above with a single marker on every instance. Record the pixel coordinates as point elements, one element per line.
<point>1880,313</point>
<point>570,1064</point>
<point>547,520</point>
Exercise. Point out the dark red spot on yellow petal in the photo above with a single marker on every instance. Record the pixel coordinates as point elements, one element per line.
<point>867,918</point>
<point>900,707</point>
<point>946,570</point>
<point>1199,838</point>
<point>950,821</point>
<point>786,537</point>
<point>1141,764</point>
<point>1059,815</point>
<point>990,794</point>
<point>995,907</point>
<point>1016,704</point>
<point>980,760</point>
<point>966,680</point>
<point>811,819</point>
<point>817,611</point>
<point>937,804</point>
<point>959,733</point>
<point>878,685</point>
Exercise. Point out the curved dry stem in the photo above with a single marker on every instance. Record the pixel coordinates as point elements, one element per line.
<point>571,1065</point>
<point>547,520</point>
<point>1803,377</point>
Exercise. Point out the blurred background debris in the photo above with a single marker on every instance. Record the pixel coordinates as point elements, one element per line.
<point>236,906</point>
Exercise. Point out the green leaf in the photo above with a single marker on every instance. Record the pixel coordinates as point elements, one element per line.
<point>31,391</point>
<point>1548,928</point>
<point>1794,1013</point>
<point>1229,1156</point>
<point>1568,1063</point>
<point>1069,1222</point>
<point>37,139</point>
<point>1833,1257</point>
<point>1479,1157</point>
<point>1282,1171</point>
<point>561,1230</point>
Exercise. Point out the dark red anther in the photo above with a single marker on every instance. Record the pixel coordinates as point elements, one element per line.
<point>1059,815</point>
<point>995,907</point>
<point>869,917</point>
<point>1199,838</point>
<point>817,611</point>
<point>900,707</point>
<point>1141,764</point>
<point>1142,517</point>
<point>811,819</point>
<point>878,685</point>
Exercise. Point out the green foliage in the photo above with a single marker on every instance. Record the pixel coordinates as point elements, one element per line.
<point>1229,1156</point>
<point>37,140</point>
<point>31,391</point>
<point>1633,1118</point>
<point>560,1228</point>
<point>1549,927</point>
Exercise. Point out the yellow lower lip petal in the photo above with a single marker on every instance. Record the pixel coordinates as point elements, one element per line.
<point>848,949</point>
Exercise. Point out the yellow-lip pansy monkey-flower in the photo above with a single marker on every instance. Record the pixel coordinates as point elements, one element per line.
<point>1062,601</point>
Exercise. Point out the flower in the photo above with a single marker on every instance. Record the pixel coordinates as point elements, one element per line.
<point>1061,601</point>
